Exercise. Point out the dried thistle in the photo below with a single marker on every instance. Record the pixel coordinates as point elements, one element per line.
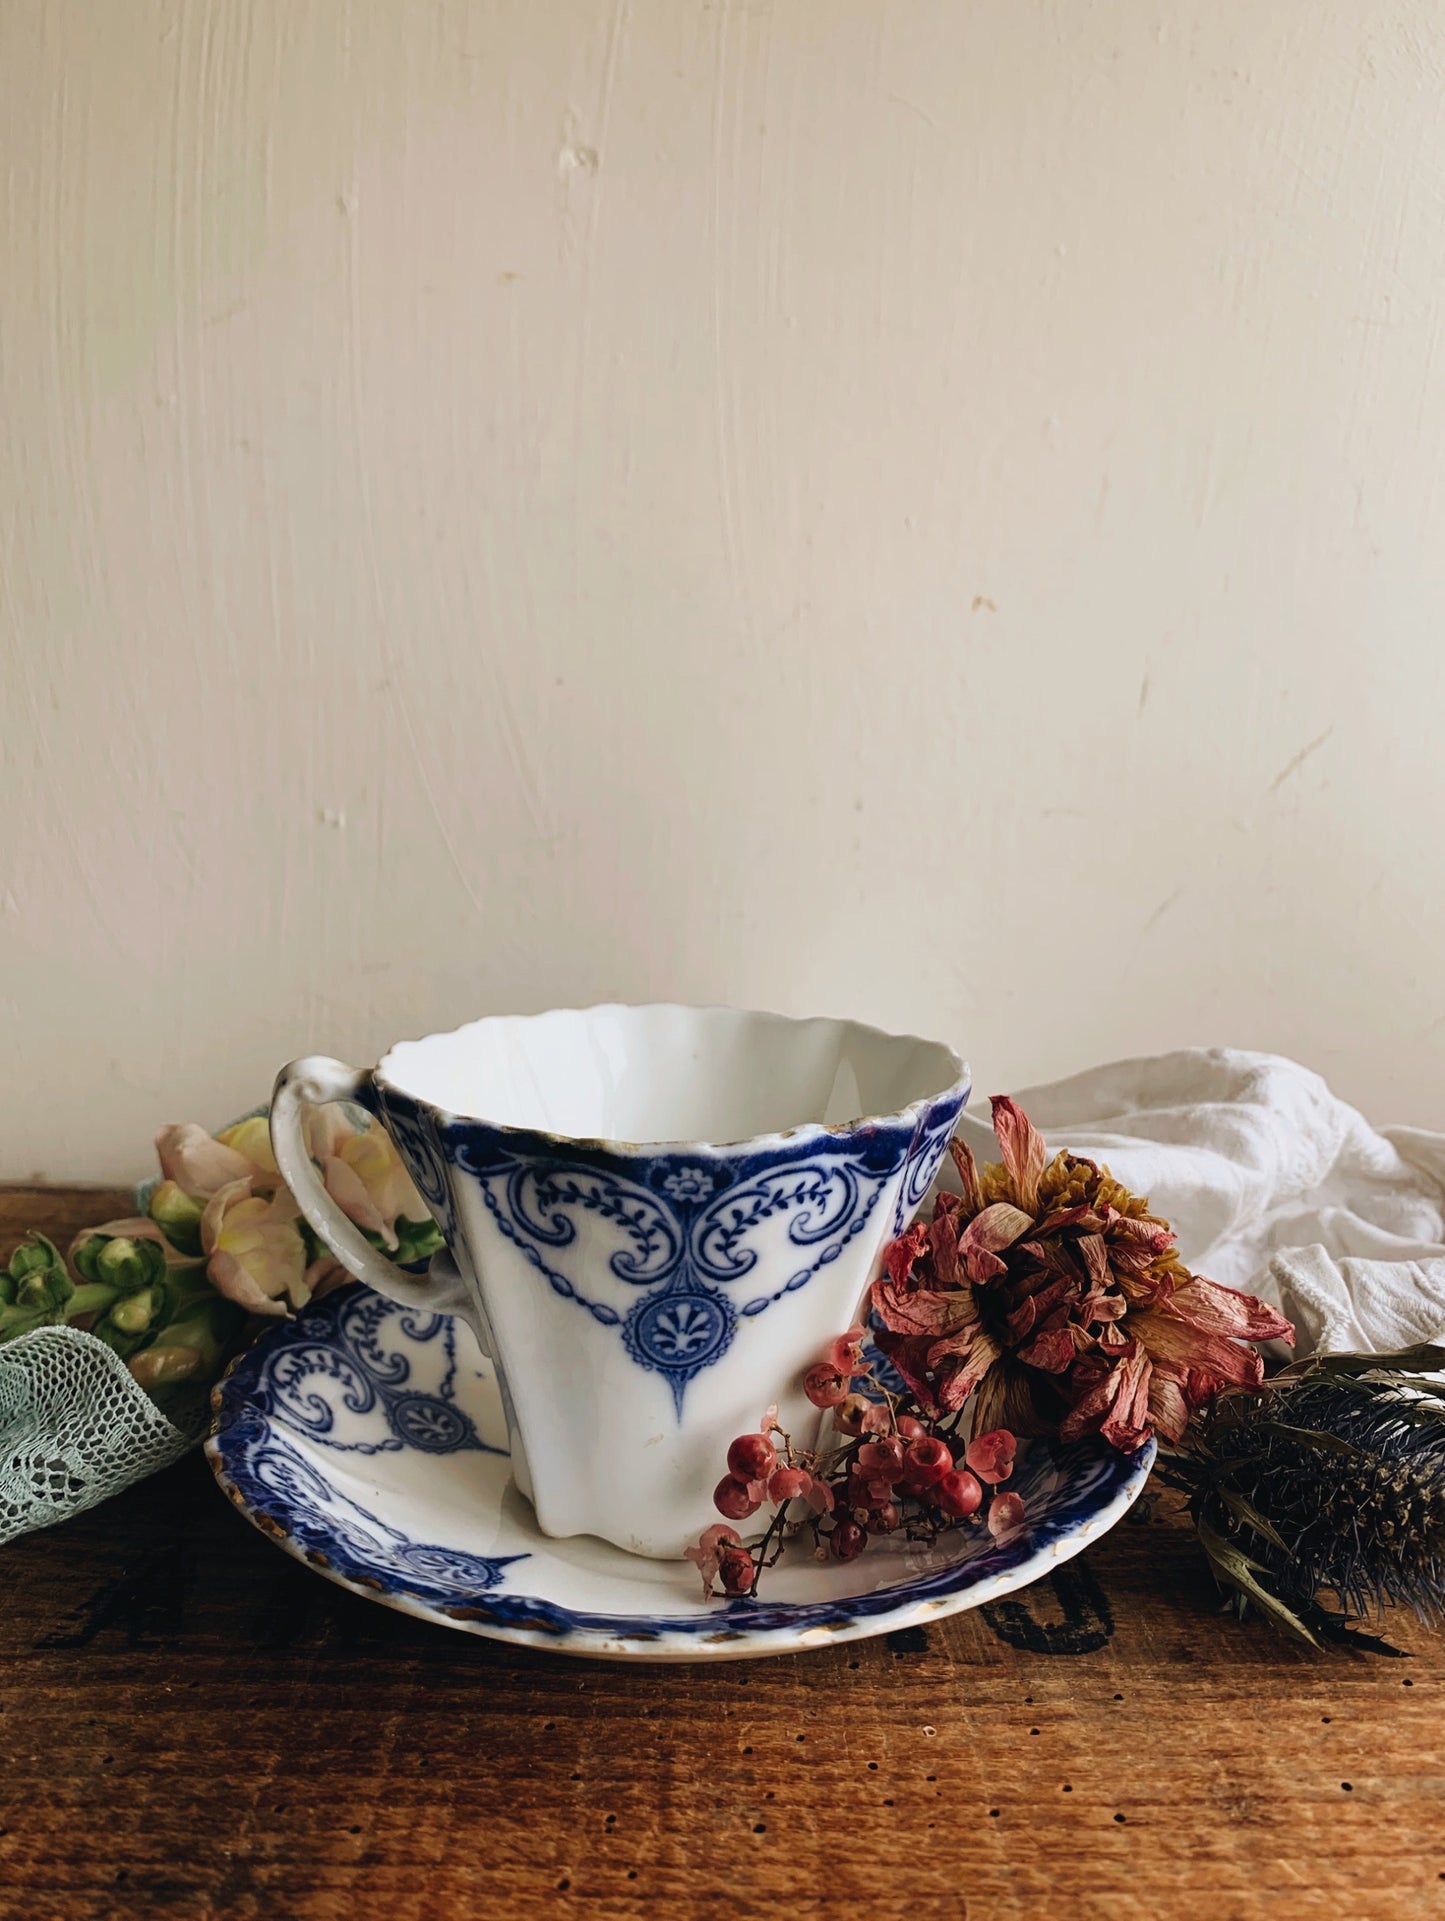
<point>1319,1497</point>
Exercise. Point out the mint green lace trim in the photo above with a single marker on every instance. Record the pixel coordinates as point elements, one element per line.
<point>75,1428</point>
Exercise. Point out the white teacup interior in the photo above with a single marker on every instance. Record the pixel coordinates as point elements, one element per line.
<point>665,1073</point>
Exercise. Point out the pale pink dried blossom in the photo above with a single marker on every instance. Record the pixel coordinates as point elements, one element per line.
<point>254,1251</point>
<point>704,1553</point>
<point>368,1181</point>
<point>199,1164</point>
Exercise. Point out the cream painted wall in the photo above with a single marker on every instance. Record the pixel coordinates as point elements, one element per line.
<point>922,508</point>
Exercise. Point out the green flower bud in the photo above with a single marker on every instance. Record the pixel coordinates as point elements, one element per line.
<point>85,1254</point>
<point>180,1364</point>
<point>163,1366</point>
<point>177,1216</point>
<point>35,1255</point>
<point>129,1265</point>
<point>134,1314</point>
<point>416,1241</point>
<point>41,1291</point>
<point>38,1280</point>
<point>137,1319</point>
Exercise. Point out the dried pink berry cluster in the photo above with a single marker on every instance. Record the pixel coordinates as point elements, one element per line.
<point>899,1466</point>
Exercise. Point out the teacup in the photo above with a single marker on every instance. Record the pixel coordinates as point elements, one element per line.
<point>656,1218</point>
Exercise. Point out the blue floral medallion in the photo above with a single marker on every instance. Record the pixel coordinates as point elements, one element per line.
<point>686,1233</point>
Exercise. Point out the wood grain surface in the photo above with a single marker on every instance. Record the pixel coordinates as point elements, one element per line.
<point>193,1725</point>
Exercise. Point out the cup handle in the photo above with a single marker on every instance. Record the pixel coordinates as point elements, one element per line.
<point>318,1079</point>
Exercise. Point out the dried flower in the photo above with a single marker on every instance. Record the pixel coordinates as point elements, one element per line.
<point>221,1241</point>
<point>368,1181</point>
<point>991,1456</point>
<point>1005,1516</point>
<point>255,1254</point>
<point>1319,1498</point>
<point>1048,1292</point>
<point>200,1166</point>
<point>704,1553</point>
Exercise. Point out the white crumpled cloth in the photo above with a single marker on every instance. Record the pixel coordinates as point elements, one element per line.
<point>1273,1184</point>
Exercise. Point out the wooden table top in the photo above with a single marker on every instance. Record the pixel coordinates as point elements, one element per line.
<point>194,1725</point>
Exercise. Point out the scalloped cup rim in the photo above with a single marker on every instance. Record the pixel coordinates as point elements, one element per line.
<point>959,1087</point>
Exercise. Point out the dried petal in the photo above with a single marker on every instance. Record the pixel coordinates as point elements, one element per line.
<point>1135,1244</point>
<point>900,1255</point>
<point>996,1227</point>
<point>967,1173</point>
<point>958,1363</point>
<point>943,1237</point>
<point>1022,1147</point>
<point>1169,1406</point>
<point>1213,1308</point>
<point>1006,1515</point>
<point>1127,1423</point>
<point>1013,1396</point>
<point>922,1311</point>
<point>1174,1339</point>
<point>197,1164</point>
<point>1051,1349</point>
<point>909,1355</point>
<point>255,1253</point>
<point>1095,1256</point>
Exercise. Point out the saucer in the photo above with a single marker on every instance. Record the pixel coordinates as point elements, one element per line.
<point>368,1440</point>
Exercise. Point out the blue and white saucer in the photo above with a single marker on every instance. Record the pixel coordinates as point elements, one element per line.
<point>368,1441</point>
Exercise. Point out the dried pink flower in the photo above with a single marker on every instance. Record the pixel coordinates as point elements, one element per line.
<point>1048,1292</point>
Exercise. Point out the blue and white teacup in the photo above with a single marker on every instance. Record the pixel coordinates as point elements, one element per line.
<point>656,1217</point>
